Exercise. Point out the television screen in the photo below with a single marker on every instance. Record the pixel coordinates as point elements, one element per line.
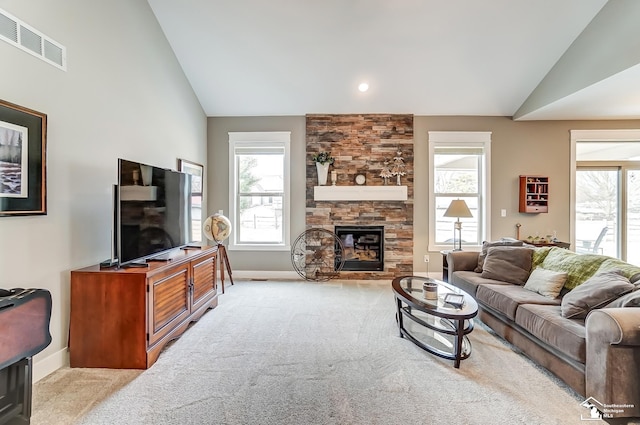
<point>154,210</point>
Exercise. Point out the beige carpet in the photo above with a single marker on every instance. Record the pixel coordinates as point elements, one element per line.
<point>291,352</point>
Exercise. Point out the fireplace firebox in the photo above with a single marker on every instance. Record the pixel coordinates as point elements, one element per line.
<point>363,247</point>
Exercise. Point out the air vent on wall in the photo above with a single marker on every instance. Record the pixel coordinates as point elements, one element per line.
<point>30,40</point>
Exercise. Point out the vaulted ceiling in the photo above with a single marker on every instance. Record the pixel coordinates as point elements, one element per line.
<point>542,59</point>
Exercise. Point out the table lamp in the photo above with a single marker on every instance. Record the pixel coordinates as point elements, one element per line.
<point>458,208</point>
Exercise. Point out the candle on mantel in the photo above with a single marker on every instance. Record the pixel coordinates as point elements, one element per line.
<point>334,177</point>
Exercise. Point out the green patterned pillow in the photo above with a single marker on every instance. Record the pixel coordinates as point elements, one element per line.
<point>579,267</point>
<point>625,269</point>
<point>539,254</point>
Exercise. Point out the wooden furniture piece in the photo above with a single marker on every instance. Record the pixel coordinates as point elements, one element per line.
<point>565,245</point>
<point>121,318</point>
<point>224,262</point>
<point>24,332</point>
<point>534,194</point>
<point>447,326</point>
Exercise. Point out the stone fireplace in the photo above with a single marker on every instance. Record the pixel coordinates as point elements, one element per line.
<point>361,144</point>
<point>363,247</point>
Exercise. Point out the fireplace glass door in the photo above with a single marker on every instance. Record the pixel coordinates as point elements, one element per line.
<point>363,247</point>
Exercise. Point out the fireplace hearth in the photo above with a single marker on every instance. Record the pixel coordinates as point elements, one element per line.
<point>363,247</point>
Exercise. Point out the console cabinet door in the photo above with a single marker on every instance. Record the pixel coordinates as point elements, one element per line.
<point>204,280</point>
<point>168,302</point>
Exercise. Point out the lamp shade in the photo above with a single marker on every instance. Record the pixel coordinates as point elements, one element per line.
<point>458,208</point>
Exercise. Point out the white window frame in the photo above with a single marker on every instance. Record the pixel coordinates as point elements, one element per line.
<point>470,139</point>
<point>614,135</point>
<point>280,139</point>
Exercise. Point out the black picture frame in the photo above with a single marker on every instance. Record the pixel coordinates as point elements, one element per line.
<point>23,161</point>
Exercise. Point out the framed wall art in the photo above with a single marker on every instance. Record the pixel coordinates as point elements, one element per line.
<point>23,161</point>
<point>197,189</point>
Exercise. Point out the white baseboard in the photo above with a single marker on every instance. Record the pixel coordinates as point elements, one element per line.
<point>259,274</point>
<point>433,275</point>
<point>50,364</point>
<point>291,275</point>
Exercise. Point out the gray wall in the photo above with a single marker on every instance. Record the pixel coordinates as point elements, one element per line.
<point>218,181</point>
<point>124,95</point>
<point>518,147</point>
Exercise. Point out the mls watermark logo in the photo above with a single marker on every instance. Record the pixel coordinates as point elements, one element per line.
<point>599,411</point>
<point>594,406</point>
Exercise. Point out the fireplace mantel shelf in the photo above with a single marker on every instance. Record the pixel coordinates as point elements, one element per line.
<point>360,193</point>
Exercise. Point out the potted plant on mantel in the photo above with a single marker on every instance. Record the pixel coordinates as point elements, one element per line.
<point>323,160</point>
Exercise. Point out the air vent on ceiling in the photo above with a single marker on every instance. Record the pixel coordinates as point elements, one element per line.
<point>30,40</point>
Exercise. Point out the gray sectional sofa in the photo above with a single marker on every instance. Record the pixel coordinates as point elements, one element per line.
<point>588,335</point>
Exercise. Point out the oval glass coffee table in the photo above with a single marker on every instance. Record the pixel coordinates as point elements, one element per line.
<point>435,325</point>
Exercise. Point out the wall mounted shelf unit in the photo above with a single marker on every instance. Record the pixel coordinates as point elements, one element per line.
<point>534,194</point>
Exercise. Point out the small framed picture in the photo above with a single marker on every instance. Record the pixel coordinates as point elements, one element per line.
<point>456,300</point>
<point>197,175</point>
<point>23,162</point>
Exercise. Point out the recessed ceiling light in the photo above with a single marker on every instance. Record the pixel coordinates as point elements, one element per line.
<point>363,87</point>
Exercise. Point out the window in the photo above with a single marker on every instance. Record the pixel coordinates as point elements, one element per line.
<point>459,168</point>
<point>259,190</point>
<point>597,209</point>
<point>605,190</point>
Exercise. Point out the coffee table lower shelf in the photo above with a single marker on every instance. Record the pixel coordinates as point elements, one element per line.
<point>435,324</point>
<point>460,347</point>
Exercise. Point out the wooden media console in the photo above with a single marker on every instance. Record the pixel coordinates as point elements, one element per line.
<point>121,318</point>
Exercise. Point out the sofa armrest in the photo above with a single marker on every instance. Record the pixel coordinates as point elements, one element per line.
<point>462,260</point>
<point>615,326</point>
<point>613,350</point>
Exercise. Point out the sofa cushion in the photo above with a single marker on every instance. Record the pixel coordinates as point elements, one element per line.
<point>506,298</point>
<point>485,247</point>
<point>596,292</point>
<point>469,281</point>
<point>547,324</point>
<point>579,267</point>
<point>511,264</point>
<point>546,282</point>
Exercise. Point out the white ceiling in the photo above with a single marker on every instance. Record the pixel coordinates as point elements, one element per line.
<point>424,57</point>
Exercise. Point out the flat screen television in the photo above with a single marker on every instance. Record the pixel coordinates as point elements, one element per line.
<point>153,211</point>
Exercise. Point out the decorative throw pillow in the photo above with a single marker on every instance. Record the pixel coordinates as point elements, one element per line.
<point>485,247</point>
<point>631,299</point>
<point>622,267</point>
<point>546,282</point>
<point>539,254</point>
<point>597,291</point>
<point>508,263</point>
<point>579,267</point>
